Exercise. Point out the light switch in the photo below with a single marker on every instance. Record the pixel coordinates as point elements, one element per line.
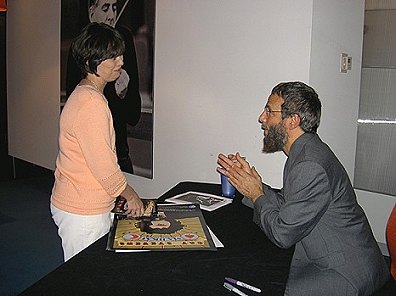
<point>345,63</point>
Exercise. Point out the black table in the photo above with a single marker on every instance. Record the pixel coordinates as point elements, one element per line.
<point>247,256</point>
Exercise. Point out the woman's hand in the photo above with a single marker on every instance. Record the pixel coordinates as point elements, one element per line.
<point>134,205</point>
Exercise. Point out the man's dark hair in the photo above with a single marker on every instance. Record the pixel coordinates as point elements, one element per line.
<point>96,43</point>
<point>302,100</point>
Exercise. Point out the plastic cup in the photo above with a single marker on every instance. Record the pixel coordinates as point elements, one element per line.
<point>227,190</point>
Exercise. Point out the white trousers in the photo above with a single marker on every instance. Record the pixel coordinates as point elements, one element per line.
<point>78,231</point>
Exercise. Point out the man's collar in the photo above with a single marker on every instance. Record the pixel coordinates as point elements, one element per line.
<point>300,142</point>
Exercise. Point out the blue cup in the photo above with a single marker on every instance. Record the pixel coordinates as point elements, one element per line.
<point>227,190</point>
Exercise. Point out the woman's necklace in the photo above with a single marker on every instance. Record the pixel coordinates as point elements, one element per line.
<point>93,84</point>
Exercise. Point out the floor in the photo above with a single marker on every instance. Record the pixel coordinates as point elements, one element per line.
<point>29,245</point>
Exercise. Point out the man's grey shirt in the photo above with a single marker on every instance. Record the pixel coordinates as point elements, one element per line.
<point>317,211</point>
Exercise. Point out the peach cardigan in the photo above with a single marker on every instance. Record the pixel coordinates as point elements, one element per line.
<point>87,176</point>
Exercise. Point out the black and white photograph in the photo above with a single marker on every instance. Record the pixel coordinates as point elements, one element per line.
<point>130,97</point>
<point>206,201</point>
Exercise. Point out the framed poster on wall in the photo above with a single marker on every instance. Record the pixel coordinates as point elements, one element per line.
<point>130,97</point>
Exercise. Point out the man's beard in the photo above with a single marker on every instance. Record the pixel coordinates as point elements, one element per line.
<point>276,138</point>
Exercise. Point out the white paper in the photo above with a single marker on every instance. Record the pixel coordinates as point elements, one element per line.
<point>206,201</point>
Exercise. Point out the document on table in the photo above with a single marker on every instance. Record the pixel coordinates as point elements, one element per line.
<point>206,201</point>
<point>217,242</point>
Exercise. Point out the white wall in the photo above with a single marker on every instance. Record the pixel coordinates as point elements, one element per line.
<point>33,79</point>
<point>338,91</point>
<point>215,64</point>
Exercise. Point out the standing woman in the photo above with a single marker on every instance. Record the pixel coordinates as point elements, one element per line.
<point>122,94</point>
<point>87,176</point>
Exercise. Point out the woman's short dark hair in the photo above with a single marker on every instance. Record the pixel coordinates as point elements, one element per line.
<point>302,100</point>
<point>97,42</point>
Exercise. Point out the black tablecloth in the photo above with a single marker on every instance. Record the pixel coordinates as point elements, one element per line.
<point>247,256</point>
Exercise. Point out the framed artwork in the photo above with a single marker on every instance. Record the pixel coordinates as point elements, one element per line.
<point>130,97</point>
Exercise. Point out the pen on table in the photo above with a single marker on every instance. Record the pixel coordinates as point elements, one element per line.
<point>233,289</point>
<point>242,284</point>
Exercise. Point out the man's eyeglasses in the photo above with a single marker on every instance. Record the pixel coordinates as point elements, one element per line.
<point>270,112</point>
